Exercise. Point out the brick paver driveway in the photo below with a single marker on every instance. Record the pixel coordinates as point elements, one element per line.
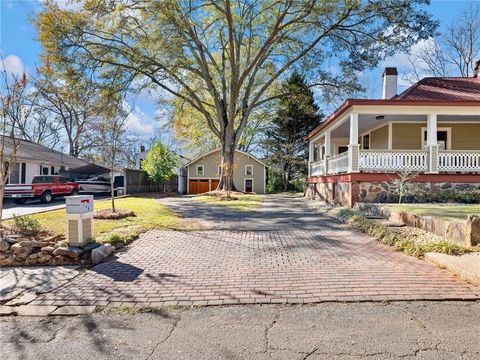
<point>285,253</point>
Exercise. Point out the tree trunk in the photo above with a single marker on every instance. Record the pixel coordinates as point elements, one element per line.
<point>1,209</point>
<point>228,154</point>
<point>112,190</point>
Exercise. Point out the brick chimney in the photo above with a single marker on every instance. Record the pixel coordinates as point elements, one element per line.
<point>476,72</point>
<point>389,86</point>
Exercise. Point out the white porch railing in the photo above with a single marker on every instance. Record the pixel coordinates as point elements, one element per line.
<point>338,163</point>
<point>459,160</point>
<point>396,160</point>
<point>317,168</point>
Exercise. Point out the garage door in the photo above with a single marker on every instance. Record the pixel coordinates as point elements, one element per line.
<point>215,184</point>
<point>197,186</point>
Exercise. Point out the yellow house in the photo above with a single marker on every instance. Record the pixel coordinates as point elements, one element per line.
<point>203,173</point>
<point>431,129</point>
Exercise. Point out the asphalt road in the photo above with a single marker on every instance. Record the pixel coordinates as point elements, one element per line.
<point>35,206</point>
<point>408,330</point>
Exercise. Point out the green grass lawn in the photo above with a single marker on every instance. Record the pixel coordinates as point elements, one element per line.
<point>241,202</point>
<point>150,214</point>
<point>453,212</point>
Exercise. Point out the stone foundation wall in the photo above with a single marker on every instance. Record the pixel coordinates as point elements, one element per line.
<point>378,192</point>
<point>467,234</point>
<point>334,193</point>
<point>348,189</point>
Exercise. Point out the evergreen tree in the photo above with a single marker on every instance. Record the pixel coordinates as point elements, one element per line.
<point>296,115</point>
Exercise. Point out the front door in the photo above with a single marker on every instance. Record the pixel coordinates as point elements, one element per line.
<point>248,185</point>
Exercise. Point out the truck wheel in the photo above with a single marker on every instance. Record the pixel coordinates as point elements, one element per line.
<point>74,192</point>
<point>19,201</point>
<point>46,197</point>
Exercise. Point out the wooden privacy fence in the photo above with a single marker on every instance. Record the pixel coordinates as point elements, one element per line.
<point>137,181</point>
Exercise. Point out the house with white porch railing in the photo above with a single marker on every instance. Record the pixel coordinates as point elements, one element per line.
<point>432,129</point>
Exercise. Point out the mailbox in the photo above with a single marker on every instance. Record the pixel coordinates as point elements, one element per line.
<point>79,219</point>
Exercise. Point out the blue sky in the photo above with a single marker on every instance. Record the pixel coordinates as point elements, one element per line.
<point>20,50</point>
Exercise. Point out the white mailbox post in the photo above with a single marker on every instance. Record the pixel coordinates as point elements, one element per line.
<point>79,219</point>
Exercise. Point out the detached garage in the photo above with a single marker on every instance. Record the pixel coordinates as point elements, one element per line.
<point>203,173</point>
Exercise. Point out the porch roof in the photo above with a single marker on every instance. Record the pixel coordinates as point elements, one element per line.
<point>427,92</point>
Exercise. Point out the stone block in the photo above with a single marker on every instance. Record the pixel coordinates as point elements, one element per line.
<point>23,299</point>
<point>7,310</point>
<point>34,310</point>
<point>100,253</point>
<point>71,251</point>
<point>74,310</point>
<point>472,230</point>
<point>456,232</point>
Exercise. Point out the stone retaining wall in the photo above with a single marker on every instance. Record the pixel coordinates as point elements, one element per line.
<point>467,234</point>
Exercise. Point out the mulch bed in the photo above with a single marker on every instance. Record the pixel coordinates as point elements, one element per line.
<point>110,215</point>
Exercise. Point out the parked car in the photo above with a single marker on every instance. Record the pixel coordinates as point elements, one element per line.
<point>43,187</point>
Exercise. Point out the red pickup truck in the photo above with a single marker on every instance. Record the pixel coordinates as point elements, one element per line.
<point>43,187</point>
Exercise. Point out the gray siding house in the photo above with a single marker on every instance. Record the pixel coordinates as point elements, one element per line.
<point>203,173</point>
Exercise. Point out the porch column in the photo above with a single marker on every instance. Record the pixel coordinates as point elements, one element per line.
<point>432,145</point>
<point>311,146</point>
<point>328,151</point>
<point>353,147</point>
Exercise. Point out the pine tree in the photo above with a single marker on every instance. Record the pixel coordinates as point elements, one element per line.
<point>296,115</point>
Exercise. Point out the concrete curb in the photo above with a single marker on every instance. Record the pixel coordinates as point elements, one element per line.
<point>466,266</point>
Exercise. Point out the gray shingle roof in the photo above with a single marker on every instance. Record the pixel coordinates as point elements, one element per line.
<point>38,153</point>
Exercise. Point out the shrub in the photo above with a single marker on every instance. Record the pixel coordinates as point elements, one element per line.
<point>120,239</point>
<point>467,196</point>
<point>26,225</point>
<point>388,237</point>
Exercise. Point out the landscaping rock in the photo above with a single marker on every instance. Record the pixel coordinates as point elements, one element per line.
<point>7,261</point>
<point>20,251</point>
<point>48,249</point>
<point>33,243</point>
<point>71,251</point>
<point>90,246</point>
<point>45,259</point>
<point>4,245</point>
<point>101,253</point>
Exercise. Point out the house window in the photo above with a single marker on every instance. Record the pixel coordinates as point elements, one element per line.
<point>52,170</point>
<point>366,142</point>
<point>200,170</point>
<point>43,170</point>
<point>342,149</point>
<point>248,169</point>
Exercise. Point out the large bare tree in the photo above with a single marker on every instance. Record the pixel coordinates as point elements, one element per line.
<point>67,101</point>
<point>451,53</point>
<point>223,57</point>
<point>14,109</point>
